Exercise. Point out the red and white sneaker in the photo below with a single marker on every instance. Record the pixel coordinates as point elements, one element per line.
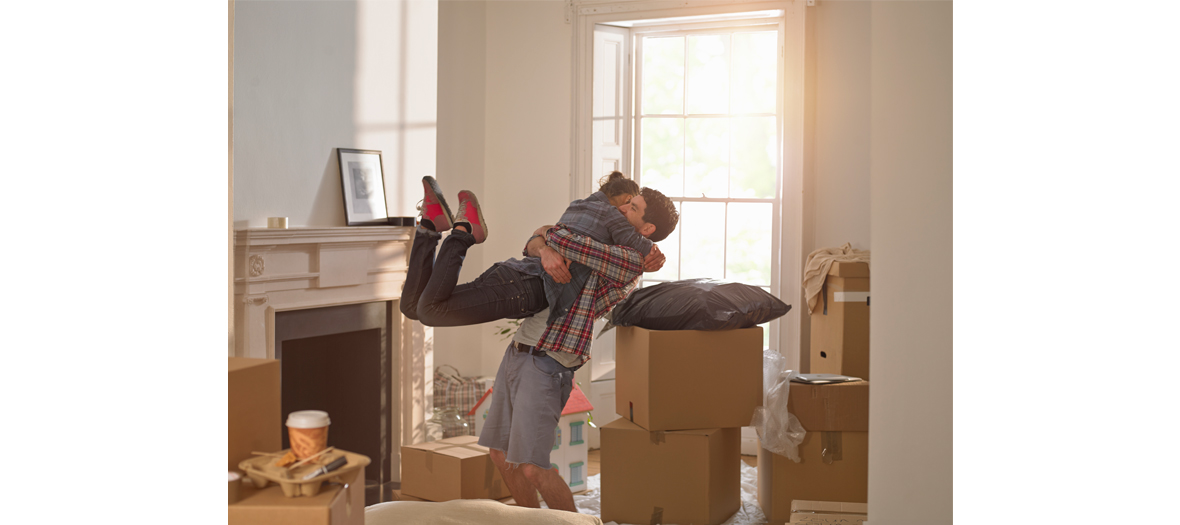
<point>436,215</point>
<point>470,213</point>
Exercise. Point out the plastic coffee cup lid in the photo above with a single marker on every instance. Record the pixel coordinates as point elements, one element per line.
<point>308,419</point>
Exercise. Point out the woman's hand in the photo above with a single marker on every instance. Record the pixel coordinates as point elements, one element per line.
<point>655,260</point>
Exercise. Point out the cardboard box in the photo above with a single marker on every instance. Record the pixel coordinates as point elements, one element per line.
<point>688,379</point>
<point>840,324</point>
<point>828,513</point>
<point>846,478</point>
<point>335,504</point>
<point>255,408</point>
<point>835,406</point>
<point>451,468</point>
<point>684,477</point>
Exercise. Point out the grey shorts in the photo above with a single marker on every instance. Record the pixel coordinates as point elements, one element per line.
<point>527,400</point>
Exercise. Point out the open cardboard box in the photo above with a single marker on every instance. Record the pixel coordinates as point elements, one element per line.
<point>840,324</point>
<point>834,453</point>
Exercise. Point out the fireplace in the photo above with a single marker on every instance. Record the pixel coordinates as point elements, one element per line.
<point>336,359</point>
<point>324,301</point>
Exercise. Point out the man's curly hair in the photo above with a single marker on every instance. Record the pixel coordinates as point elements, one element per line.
<point>661,212</point>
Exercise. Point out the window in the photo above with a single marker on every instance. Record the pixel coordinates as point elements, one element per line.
<point>576,474</point>
<point>707,137</point>
<point>698,116</point>
<point>557,439</point>
<point>576,433</point>
<point>704,102</point>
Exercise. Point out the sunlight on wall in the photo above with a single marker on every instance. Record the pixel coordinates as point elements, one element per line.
<point>396,93</point>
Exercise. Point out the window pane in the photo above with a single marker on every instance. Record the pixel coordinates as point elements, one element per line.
<point>755,67</point>
<point>708,74</point>
<point>706,157</point>
<point>663,76</point>
<point>704,243</point>
<point>671,249</point>
<point>748,243</point>
<point>662,155</point>
<point>754,154</point>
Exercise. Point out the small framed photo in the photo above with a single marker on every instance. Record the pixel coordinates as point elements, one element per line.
<point>362,180</point>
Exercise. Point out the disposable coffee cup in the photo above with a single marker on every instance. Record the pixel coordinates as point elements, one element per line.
<point>308,430</point>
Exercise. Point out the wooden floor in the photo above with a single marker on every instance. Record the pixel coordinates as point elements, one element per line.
<point>593,467</point>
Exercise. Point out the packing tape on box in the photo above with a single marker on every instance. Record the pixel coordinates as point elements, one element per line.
<point>430,462</point>
<point>852,297</point>
<point>657,515</point>
<point>657,437</point>
<point>833,449</point>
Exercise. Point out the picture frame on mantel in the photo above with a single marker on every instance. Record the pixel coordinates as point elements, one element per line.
<point>362,180</point>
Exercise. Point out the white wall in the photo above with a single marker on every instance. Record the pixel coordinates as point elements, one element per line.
<point>527,129</point>
<point>526,145</point>
<point>842,124</point>
<point>461,114</point>
<point>312,76</point>
<point>511,147</point>
<point>836,184</point>
<point>910,405</point>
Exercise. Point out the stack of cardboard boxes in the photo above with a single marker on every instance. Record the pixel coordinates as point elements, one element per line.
<point>834,453</point>
<point>255,425</point>
<point>674,456</point>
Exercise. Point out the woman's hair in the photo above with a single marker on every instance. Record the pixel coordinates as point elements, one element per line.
<point>617,184</point>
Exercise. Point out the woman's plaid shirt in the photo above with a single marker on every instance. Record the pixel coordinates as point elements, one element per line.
<point>616,268</point>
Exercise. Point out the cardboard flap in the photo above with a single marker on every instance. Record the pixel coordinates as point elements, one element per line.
<point>459,452</point>
<point>849,269</point>
<point>839,507</point>
<point>623,424</point>
<point>429,446</point>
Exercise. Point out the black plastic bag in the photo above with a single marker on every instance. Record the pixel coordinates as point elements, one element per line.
<point>698,304</point>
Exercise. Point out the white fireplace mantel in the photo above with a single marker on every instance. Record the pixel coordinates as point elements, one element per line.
<point>293,269</point>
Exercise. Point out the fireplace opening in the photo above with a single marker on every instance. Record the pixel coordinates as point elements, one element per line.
<point>339,359</point>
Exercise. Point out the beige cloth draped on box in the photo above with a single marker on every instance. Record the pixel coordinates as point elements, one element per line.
<point>818,264</point>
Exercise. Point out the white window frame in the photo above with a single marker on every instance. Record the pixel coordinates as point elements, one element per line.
<point>712,28</point>
<point>789,226</point>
